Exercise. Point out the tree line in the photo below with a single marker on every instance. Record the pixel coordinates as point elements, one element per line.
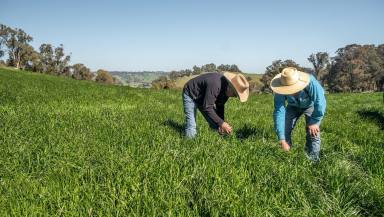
<point>354,68</point>
<point>196,70</point>
<point>15,47</point>
<point>168,81</point>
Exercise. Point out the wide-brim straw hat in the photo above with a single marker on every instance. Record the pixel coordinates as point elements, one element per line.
<point>240,84</point>
<point>289,81</point>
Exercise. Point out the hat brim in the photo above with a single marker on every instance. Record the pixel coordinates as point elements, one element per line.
<point>243,96</point>
<point>279,88</point>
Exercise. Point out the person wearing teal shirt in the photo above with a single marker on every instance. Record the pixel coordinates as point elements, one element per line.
<point>297,93</point>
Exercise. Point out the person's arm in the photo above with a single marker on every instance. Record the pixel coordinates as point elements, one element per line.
<point>316,93</point>
<point>211,93</point>
<point>220,107</point>
<point>279,115</point>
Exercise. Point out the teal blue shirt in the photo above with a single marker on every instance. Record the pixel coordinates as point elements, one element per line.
<point>311,95</point>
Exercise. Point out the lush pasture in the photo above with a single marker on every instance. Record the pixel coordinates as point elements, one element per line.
<point>73,148</point>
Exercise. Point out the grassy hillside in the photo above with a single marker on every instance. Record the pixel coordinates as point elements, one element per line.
<point>180,82</point>
<point>74,148</point>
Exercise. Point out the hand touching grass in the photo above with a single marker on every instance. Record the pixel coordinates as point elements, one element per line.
<point>284,145</point>
<point>225,128</point>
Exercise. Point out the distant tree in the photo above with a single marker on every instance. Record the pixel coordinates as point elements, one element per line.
<point>67,71</point>
<point>234,68</point>
<point>356,68</point>
<point>46,59</point>
<point>209,68</point>
<point>53,60</point>
<point>60,60</point>
<point>188,72</point>
<point>196,70</point>
<point>81,72</point>
<point>224,68</point>
<point>173,75</point>
<point>373,69</point>
<point>28,57</point>
<point>274,69</point>
<point>228,68</point>
<point>103,76</point>
<point>3,39</point>
<point>321,64</point>
<point>379,75</point>
<point>17,42</point>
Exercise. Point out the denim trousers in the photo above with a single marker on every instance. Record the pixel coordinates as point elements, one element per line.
<point>312,145</point>
<point>190,108</point>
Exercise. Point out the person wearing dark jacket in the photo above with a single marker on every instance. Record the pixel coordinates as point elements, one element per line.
<point>209,92</point>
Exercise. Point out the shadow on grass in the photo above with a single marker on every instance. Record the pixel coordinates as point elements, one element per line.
<point>248,131</point>
<point>177,127</point>
<point>374,116</point>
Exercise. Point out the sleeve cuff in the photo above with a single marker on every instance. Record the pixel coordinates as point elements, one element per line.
<point>220,123</point>
<point>281,136</point>
<point>314,121</point>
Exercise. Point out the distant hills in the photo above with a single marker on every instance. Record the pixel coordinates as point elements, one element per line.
<point>138,79</point>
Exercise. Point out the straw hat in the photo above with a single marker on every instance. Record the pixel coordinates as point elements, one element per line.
<point>238,83</point>
<point>289,81</point>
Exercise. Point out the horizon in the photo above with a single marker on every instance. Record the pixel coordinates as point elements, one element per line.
<point>172,35</point>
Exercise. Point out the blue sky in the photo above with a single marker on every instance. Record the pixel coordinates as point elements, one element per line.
<point>171,35</point>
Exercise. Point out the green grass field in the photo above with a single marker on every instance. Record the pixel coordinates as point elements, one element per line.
<point>77,148</point>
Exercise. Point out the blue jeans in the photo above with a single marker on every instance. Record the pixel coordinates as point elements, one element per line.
<point>190,117</point>
<point>312,145</point>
